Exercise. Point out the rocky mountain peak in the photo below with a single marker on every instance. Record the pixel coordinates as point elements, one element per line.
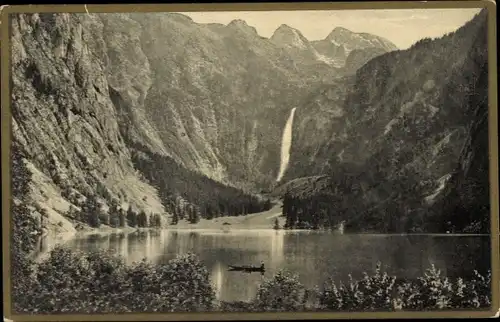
<point>338,31</point>
<point>288,36</point>
<point>354,40</point>
<point>240,24</point>
<point>284,28</point>
<point>341,42</point>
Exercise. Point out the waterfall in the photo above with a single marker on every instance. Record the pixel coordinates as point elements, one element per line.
<point>286,143</point>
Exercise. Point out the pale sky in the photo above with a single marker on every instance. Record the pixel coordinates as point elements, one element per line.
<point>401,26</point>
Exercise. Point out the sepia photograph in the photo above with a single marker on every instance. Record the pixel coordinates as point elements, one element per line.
<point>284,161</point>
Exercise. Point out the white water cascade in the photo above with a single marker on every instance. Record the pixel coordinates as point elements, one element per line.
<point>286,143</point>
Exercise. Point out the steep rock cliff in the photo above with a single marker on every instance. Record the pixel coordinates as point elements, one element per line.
<point>64,119</point>
<point>465,200</point>
<point>401,125</point>
<point>218,96</point>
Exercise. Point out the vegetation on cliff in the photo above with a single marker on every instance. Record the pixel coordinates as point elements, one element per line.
<point>190,195</point>
<point>409,149</point>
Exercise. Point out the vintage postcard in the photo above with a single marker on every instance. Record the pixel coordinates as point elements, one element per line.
<point>250,161</point>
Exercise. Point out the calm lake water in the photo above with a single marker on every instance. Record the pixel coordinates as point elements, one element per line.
<point>313,255</point>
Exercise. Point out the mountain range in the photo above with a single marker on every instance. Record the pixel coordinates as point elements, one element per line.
<point>98,99</point>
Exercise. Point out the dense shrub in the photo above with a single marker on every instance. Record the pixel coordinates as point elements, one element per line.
<point>181,285</point>
<point>98,282</point>
<point>434,291</point>
<point>430,292</point>
<point>283,292</point>
<point>373,292</point>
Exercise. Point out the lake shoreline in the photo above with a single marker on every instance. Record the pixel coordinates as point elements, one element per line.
<point>265,220</point>
<point>236,228</point>
<point>194,228</point>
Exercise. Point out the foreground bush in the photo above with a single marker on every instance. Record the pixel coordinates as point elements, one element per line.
<point>283,292</point>
<point>375,292</point>
<point>434,291</point>
<point>71,282</point>
<point>181,285</point>
<point>378,292</point>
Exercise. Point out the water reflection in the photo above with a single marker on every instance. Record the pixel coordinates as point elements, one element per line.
<point>277,247</point>
<point>218,279</point>
<point>313,255</point>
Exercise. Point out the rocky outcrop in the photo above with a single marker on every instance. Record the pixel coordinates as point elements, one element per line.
<point>302,51</point>
<point>129,75</point>
<point>63,117</point>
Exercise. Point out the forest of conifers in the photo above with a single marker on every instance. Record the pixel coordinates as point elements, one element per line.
<point>191,195</point>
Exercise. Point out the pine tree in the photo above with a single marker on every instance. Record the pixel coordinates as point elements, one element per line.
<point>114,214</point>
<point>142,219</point>
<point>93,219</point>
<point>179,211</point>
<point>131,217</point>
<point>276,224</point>
<point>194,217</point>
<point>156,221</point>
<point>114,219</point>
<point>91,211</point>
<point>175,218</point>
<point>122,218</point>
<point>103,217</point>
<point>267,205</point>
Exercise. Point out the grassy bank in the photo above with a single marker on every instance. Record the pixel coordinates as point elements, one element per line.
<point>74,282</point>
<point>260,220</point>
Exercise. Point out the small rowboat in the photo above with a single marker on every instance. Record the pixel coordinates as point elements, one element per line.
<point>248,269</point>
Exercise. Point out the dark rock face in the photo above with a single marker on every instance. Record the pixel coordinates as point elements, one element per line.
<point>465,201</point>
<point>406,116</point>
